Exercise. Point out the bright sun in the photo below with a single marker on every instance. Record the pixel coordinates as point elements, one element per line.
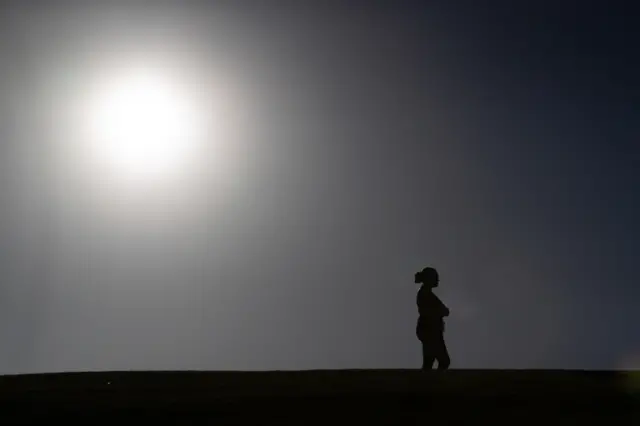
<point>141,124</point>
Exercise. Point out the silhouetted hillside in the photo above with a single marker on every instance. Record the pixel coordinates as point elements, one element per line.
<point>366,396</point>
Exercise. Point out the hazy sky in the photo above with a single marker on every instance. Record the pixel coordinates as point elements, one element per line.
<point>496,141</point>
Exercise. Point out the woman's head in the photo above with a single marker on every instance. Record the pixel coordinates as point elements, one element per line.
<point>428,276</point>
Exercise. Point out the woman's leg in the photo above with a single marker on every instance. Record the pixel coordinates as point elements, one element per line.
<point>428,355</point>
<point>442,354</point>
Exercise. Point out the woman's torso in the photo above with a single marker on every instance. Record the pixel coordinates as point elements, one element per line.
<point>429,310</point>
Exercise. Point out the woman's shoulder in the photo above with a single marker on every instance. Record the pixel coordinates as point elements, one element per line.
<point>425,293</point>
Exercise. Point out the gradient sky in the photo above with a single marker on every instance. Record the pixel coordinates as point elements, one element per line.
<point>496,141</point>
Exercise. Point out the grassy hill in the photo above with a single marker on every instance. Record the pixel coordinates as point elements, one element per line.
<point>369,396</point>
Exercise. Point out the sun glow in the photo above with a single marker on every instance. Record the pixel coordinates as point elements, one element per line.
<point>141,124</point>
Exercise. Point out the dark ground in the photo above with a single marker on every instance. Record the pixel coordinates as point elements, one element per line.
<point>318,397</point>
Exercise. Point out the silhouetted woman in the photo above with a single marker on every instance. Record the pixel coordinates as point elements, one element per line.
<point>430,328</point>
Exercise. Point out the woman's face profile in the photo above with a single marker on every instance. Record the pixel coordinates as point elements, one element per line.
<point>432,278</point>
<point>435,279</point>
